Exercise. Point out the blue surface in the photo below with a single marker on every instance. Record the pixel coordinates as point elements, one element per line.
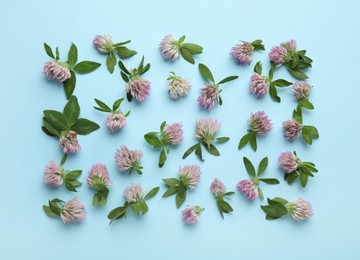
<point>327,29</point>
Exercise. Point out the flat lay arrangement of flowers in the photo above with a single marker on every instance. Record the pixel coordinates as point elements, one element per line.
<point>207,138</point>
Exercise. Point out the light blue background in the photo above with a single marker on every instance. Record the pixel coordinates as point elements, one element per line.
<point>327,29</point>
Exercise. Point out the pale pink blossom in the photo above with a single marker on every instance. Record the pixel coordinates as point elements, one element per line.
<point>249,188</point>
<point>54,174</point>
<point>242,52</point>
<point>191,214</point>
<point>190,175</point>
<point>300,209</point>
<point>173,133</point>
<point>98,177</point>
<point>56,70</point>
<point>139,88</point>
<point>209,97</point>
<point>170,48</point>
<point>134,193</point>
<point>103,43</point>
<point>217,188</point>
<point>69,142</point>
<point>73,211</point>
<point>289,162</point>
<point>128,159</point>
<point>259,85</point>
<point>115,121</point>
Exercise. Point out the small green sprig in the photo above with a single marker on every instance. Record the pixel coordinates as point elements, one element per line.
<point>82,67</point>
<point>206,74</point>
<point>160,140</point>
<point>176,187</point>
<point>303,171</point>
<point>255,175</point>
<point>123,53</point>
<point>115,107</point>
<point>276,208</point>
<point>70,177</point>
<point>281,83</point>
<point>135,73</point>
<point>140,207</point>
<point>308,132</point>
<point>56,123</point>
<point>188,50</point>
<point>297,63</point>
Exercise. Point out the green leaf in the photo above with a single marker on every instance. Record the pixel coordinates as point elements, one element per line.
<point>180,196</point>
<point>140,207</point>
<point>69,186</point>
<point>171,182</point>
<point>275,209</point>
<point>281,200</point>
<point>162,126</point>
<point>281,83</point>
<point>273,93</point>
<point>69,85</point>
<point>56,119</point>
<point>222,139</point>
<point>306,104</point>
<point>181,39</point>
<point>310,167</point>
<point>261,194</point>
<point>48,51</point>
<point>171,191</point>
<point>294,60</point>
<point>117,104</point>
<point>72,111</point>
<point>121,43</point>
<point>262,166</point>
<point>63,159</point>
<point>258,68</point>
<point>249,167</point>
<point>244,140</point>
<point>226,208</point>
<point>123,68</point>
<point>312,130</point>
<point>145,69</point>
<point>72,55</point>
<point>190,150</point>
<point>86,67</point>
<point>297,115</point>
<point>227,79</point>
<point>270,180</point>
<point>117,213</point>
<point>297,74</point>
<point>96,200</point>
<point>253,142</point>
<point>124,77</point>
<point>153,140</point>
<point>271,71</point>
<point>49,212</point>
<point>49,129</point>
<point>162,158</point>
<point>141,63</point>
<point>220,209</point>
<point>198,152</point>
<point>129,97</point>
<point>257,44</point>
<point>84,126</point>
<point>124,52</point>
<point>290,177</point>
<point>303,179</point>
<point>73,175</point>
<point>192,48</point>
<point>211,149</point>
<point>229,193</point>
<point>206,73</point>
<point>102,105</point>
<point>57,54</point>
<point>187,55</point>
<point>111,62</point>
<point>152,193</point>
